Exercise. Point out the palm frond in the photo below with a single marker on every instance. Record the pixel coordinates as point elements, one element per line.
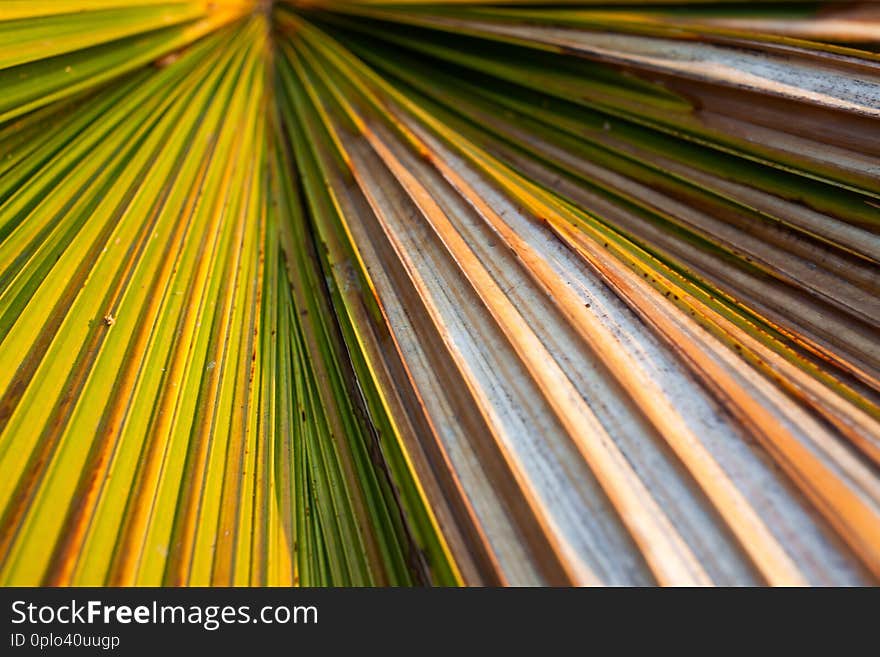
<point>369,293</point>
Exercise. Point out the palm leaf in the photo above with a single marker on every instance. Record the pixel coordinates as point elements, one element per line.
<point>380,293</point>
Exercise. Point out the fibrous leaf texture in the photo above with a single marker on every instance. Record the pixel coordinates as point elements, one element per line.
<point>391,293</point>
